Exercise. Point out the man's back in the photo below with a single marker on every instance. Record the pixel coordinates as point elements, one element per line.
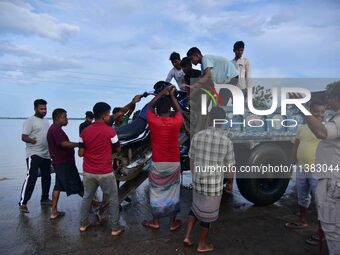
<point>98,139</point>
<point>222,69</point>
<point>210,148</point>
<point>164,137</point>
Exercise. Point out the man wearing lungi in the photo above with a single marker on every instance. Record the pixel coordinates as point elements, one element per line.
<point>164,175</point>
<point>210,151</point>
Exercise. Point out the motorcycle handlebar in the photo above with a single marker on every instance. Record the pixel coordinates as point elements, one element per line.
<point>146,93</point>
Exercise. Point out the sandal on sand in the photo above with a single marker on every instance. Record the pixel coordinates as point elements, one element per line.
<point>178,224</point>
<point>118,232</point>
<point>314,239</point>
<point>59,215</point>
<point>296,225</point>
<point>149,224</point>
<point>209,249</point>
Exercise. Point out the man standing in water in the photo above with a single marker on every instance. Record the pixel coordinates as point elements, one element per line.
<point>37,156</point>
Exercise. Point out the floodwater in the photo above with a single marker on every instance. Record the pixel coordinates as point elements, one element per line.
<point>241,228</point>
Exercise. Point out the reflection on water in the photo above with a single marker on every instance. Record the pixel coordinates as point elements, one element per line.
<point>12,149</point>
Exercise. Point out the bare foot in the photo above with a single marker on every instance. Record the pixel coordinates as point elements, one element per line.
<point>118,232</point>
<point>84,228</point>
<point>206,248</point>
<point>187,242</point>
<point>57,215</point>
<point>150,224</point>
<point>175,225</point>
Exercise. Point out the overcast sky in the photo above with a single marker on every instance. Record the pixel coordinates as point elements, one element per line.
<point>76,53</point>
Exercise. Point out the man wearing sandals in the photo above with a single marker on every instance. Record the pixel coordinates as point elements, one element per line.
<point>327,194</point>
<point>67,178</point>
<point>97,142</point>
<point>37,156</point>
<point>304,150</point>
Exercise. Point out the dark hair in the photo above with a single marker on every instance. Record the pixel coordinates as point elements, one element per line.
<point>57,113</point>
<point>116,109</point>
<point>334,92</point>
<point>89,114</point>
<point>39,102</point>
<point>193,51</point>
<point>217,113</point>
<point>186,62</point>
<point>238,45</point>
<point>99,109</point>
<point>160,85</point>
<point>174,56</point>
<point>163,105</point>
<point>316,102</point>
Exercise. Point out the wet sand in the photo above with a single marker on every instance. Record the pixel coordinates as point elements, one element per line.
<point>241,228</point>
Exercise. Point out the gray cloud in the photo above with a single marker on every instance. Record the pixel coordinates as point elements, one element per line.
<point>20,18</point>
<point>53,63</point>
<point>8,48</point>
<point>26,62</point>
<point>207,20</point>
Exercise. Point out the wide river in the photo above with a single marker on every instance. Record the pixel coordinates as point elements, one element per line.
<point>12,149</point>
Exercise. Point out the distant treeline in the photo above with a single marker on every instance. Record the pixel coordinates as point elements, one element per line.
<point>23,118</point>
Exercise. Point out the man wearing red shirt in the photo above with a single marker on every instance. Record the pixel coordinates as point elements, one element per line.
<point>97,142</point>
<point>164,175</point>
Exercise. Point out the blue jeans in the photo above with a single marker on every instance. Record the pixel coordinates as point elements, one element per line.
<point>305,185</point>
<point>107,183</point>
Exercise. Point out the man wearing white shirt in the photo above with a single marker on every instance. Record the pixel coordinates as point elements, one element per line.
<point>176,72</point>
<point>34,134</point>
<point>242,65</point>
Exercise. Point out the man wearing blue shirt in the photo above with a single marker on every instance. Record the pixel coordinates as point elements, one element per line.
<point>216,68</point>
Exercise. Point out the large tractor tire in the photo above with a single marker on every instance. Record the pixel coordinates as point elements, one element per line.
<point>269,189</point>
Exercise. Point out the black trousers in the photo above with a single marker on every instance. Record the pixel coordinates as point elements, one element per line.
<point>34,164</point>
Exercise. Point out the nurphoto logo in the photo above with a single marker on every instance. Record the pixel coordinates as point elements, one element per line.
<point>239,105</point>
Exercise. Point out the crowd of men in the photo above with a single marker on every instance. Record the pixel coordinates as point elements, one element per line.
<point>315,143</point>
